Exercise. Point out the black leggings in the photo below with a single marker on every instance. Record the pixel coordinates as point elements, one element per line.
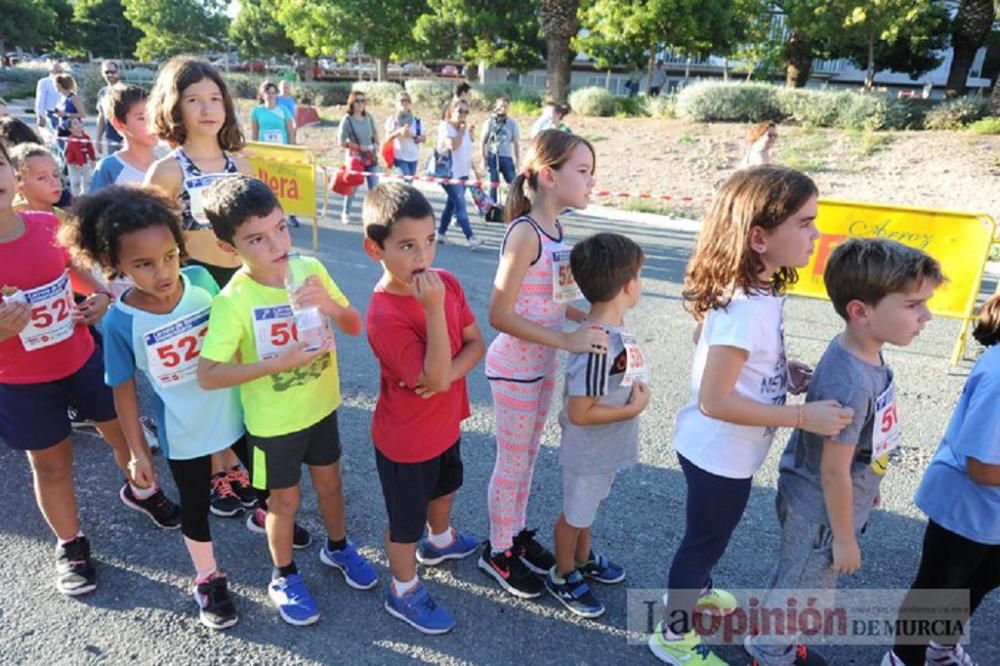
<point>950,562</point>
<point>715,505</point>
<point>193,479</point>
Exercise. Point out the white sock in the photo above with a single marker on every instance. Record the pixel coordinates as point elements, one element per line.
<point>400,588</point>
<point>440,540</point>
<point>143,493</point>
<point>63,542</point>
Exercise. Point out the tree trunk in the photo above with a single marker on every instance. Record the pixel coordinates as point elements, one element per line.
<point>481,71</point>
<point>382,68</point>
<point>798,59</point>
<point>607,80</point>
<point>649,69</point>
<point>870,70</point>
<point>973,23</point>
<point>725,69</point>
<point>3,50</point>
<point>559,23</point>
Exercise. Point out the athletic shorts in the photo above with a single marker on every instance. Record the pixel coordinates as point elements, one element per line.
<point>34,417</point>
<point>277,461</point>
<point>582,496</point>
<point>409,487</point>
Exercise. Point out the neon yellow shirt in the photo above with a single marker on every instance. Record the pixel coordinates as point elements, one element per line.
<point>256,321</point>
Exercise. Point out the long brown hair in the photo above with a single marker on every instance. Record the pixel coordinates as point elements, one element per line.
<point>165,102</point>
<point>551,148</point>
<point>352,99</point>
<point>763,196</point>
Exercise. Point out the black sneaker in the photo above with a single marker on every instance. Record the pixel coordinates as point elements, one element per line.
<point>224,500</point>
<point>507,569</point>
<point>160,510</point>
<point>215,607</point>
<point>534,555</point>
<point>74,573</point>
<point>239,481</point>
<point>300,537</point>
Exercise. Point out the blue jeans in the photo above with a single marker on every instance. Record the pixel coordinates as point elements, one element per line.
<point>455,206</point>
<point>498,165</point>
<point>407,168</point>
<point>371,181</point>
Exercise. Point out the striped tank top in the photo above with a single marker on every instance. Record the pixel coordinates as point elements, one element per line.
<point>511,358</point>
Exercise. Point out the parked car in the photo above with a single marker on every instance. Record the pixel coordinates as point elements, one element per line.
<point>449,70</point>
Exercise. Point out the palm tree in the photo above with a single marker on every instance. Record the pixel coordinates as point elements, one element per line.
<point>972,25</point>
<point>559,24</point>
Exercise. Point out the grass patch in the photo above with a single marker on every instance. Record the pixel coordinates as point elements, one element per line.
<point>989,125</point>
<point>522,107</point>
<point>660,208</point>
<point>868,142</point>
<point>687,139</point>
<point>807,151</point>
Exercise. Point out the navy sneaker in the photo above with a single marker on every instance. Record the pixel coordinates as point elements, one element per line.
<point>509,571</point>
<point>75,574</point>
<point>462,545</point>
<point>602,570</point>
<point>574,593</point>
<point>419,610</point>
<point>164,513</point>
<point>223,500</point>
<point>534,555</point>
<point>295,604</point>
<point>300,537</point>
<point>239,481</point>
<point>358,572</point>
<point>215,606</point>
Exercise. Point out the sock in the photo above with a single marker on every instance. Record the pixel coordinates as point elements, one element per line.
<point>202,556</point>
<point>283,572</point>
<point>400,588</point>
<point>557,578</point>
<point>63,542</point>
<point>143,493</point>
<point>440,540</point>
<point>339,544</point>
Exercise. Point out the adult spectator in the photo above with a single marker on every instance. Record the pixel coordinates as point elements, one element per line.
<point>358,137</point>
<point>47,98</point>
<point>285,99</point>
<point>270,122</point>
<point>760,140</point>
<point>455,141</point>
<point>68,108</point>
<point>406,133</point>
<point>658,80</point>
<point>108,139</point>
<point>501,149</point>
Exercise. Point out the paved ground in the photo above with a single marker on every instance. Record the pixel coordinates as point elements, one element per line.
<point>142,612</point>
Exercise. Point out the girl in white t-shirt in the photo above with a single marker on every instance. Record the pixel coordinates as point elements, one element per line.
<point>455,137</point>
<point>761,228</point>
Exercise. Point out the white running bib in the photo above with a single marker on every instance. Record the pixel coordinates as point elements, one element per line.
<point>635,367</point>
<point>172,350</point>
<point>195,186</point>
<point>564,289</point>
<point>51,314</point>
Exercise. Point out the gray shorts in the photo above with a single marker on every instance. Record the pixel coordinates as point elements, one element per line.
<point>582,494</point>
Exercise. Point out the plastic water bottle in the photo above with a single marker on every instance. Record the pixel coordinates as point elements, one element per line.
<point>309,322</point>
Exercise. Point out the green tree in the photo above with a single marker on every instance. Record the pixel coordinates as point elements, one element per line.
<point>497,34</point>
<point>381,28</point>
<point>560,23</point>
<point>256,30</point>
<point>971,27</point>
<point>104,31</point>
<point>170,27</point>
<point>902,35</point>
<point>26,24</point>
<point>807,30</point>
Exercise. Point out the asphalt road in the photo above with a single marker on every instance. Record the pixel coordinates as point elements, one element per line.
<point>142,612</point>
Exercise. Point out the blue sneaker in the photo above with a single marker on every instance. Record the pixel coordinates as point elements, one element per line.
<point>358,572</point>
<point>602,570</point>
<point>462,545</point>
<point>295,604</point>
<point>417,609</point>
<point>574,593</point>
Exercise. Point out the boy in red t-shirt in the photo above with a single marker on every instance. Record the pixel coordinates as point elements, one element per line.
<point>423,333</point>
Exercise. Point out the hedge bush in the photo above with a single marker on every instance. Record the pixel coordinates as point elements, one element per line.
<point>428,92</point>
<point>484,95</point>
<point>592,101</point>
<point>379,93</point>
<point>734,102</point>
<point>989,125</point>
<point>323,93</point>
<point>957,113</point>
<point>661,106</point>
<point>241,85</point>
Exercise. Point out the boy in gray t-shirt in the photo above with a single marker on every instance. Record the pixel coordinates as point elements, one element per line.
<point>827,486</point>
<point>605,391</point>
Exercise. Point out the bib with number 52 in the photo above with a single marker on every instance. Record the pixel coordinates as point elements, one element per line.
<point>635,368</point>
<point>885,429</point>
<point>564,289</point>
<point>51,314</point>
<point>172,350</point>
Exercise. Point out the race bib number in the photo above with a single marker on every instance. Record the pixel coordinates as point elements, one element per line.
<point>635,367</point>
<point>274,329</point>
<point>195,186</point>
<point>885,429</point>
<point>51,314</point>
<point>172,350</point>
<point>564,289</point>
<point>272,136</point>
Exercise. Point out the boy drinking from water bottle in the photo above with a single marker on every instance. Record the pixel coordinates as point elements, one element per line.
<point>289,389</point>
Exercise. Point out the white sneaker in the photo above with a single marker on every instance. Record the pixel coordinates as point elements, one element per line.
<point>472,242</point>
<point>948,655</point>
<point>345,218</point>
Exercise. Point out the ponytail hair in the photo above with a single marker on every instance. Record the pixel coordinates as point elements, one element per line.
<point>99,220</point>
<point>987,330</point>
<point>551,148</point>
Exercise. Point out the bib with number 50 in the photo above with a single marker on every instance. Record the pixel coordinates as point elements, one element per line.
<point>564,289</point>
<point>172,350</point>
<point>51,314</point>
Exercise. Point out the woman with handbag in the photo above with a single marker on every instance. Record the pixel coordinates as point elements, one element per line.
<point>358,137</point>
<point>454,146</point>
